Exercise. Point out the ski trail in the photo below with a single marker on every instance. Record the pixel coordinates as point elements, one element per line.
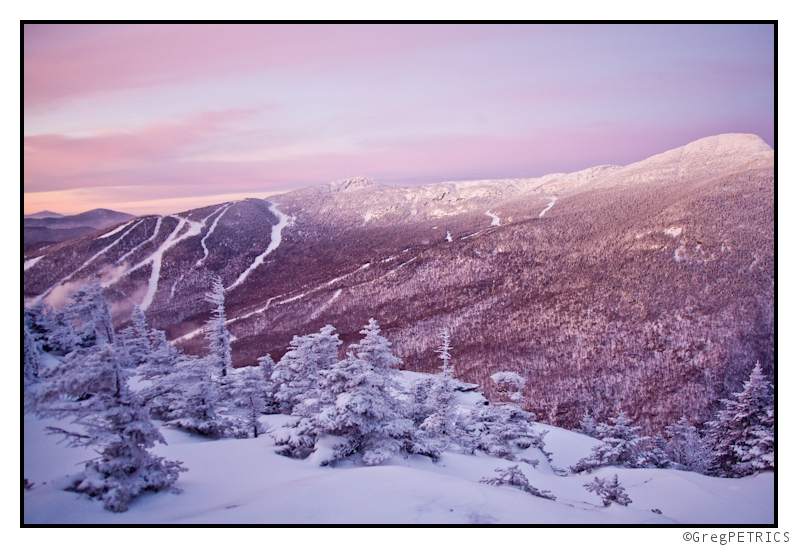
<point>277,231</point>
<point>117,229</point>
<point>326,305</point>
<point>258,311</point>
<point>151,238</point>
<point>156,258</point>
<point>548,207</point>
<point>30,262</point>
<point>211,229</point>
<point>189,335</point>
<point>39,297</point>
<point>495,219</point>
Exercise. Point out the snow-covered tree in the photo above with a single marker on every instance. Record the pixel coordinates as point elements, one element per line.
<point>249,392</point>
<point>514,477</point>
<point>296,375</point>
<point>52,332</point>
<point>501,429</point>
<point>266,366</point>
<point>359,400</point>
<point>190,398</point>
<point>162,357</point>
<point>685,448</point>
<point>742,435</point>
<point>587,425</point>
<point>434,408</point>
<point>221,355</point>
<point>89,311</point>
<point>90,385</point>
<point>31,357</point>
<point>621,445</point>
<point>444,353</point>
<point>135,340</point>
<point>512,384</point>
<point>609,490</point>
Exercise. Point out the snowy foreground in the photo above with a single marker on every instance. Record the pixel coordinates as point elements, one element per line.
<point>236,481</point>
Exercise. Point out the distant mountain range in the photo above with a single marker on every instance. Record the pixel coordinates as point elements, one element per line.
<point>43,215</point>
<point>647,288</point>
<point>46,227</point>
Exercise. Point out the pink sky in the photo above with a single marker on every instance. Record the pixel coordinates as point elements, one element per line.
<point>162,118</point>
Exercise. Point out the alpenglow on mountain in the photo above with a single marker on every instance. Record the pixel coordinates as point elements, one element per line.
<point>647,288</point>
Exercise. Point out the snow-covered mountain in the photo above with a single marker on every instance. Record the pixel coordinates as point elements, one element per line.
<point>46,227</point>
<point>647,288</point>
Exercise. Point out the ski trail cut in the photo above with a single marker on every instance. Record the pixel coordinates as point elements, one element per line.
<point>326,305</point>
<point>277,231</point>
<point>145,242</point>
<point>157,257</point>
<point>210,230</point>
<point>117,229</point>
<point>548,207</point>
<point>39,297</point>
<point>495,219</point>
<point>30,262</point>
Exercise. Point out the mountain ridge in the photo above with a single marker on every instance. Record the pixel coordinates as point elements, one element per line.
<point>647,287</point>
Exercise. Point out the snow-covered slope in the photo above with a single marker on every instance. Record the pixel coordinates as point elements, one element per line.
<point>243,481</point>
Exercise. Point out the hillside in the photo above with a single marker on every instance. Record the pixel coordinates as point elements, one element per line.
<point>255,485</point>
<point>647,288</point>
<point>45,227</point>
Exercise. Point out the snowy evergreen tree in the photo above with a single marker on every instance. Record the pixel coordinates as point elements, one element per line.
<point>685,448</point>
<point>90,385</point>
<point>587,425</point>
<point>162,358</point>
<point>501,429</point>
<point>90,312</point>
<point>249,392</point>
<point>266,366</point>
<point>30,358</point>
<point>135,340</point>
<point>742,435</point>
<point>190,398</point>
<point>444,353</point>
<point>621,445</point>
<point>359,400</point>
<point>434,408</point>
<point>296,375</point>
<point>656,454</point>
<point>609,490</point>
<point>221,355</point>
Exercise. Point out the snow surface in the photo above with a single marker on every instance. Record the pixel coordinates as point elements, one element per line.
<point>30,262</point>
<point>145,242</point>
<point>548,207</point>
<point>211,229</point>
<point>114,231</point>
<point>495,219</point>
<point>157,257</point>
<point>243,481</point>
<point>276,238</point>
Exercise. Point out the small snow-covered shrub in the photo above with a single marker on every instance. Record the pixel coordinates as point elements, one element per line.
<point>609,491</point>
<point>514,477</point>
<point>620,446</point>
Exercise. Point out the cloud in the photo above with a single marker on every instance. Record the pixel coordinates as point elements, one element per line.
<point>55,162</point>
